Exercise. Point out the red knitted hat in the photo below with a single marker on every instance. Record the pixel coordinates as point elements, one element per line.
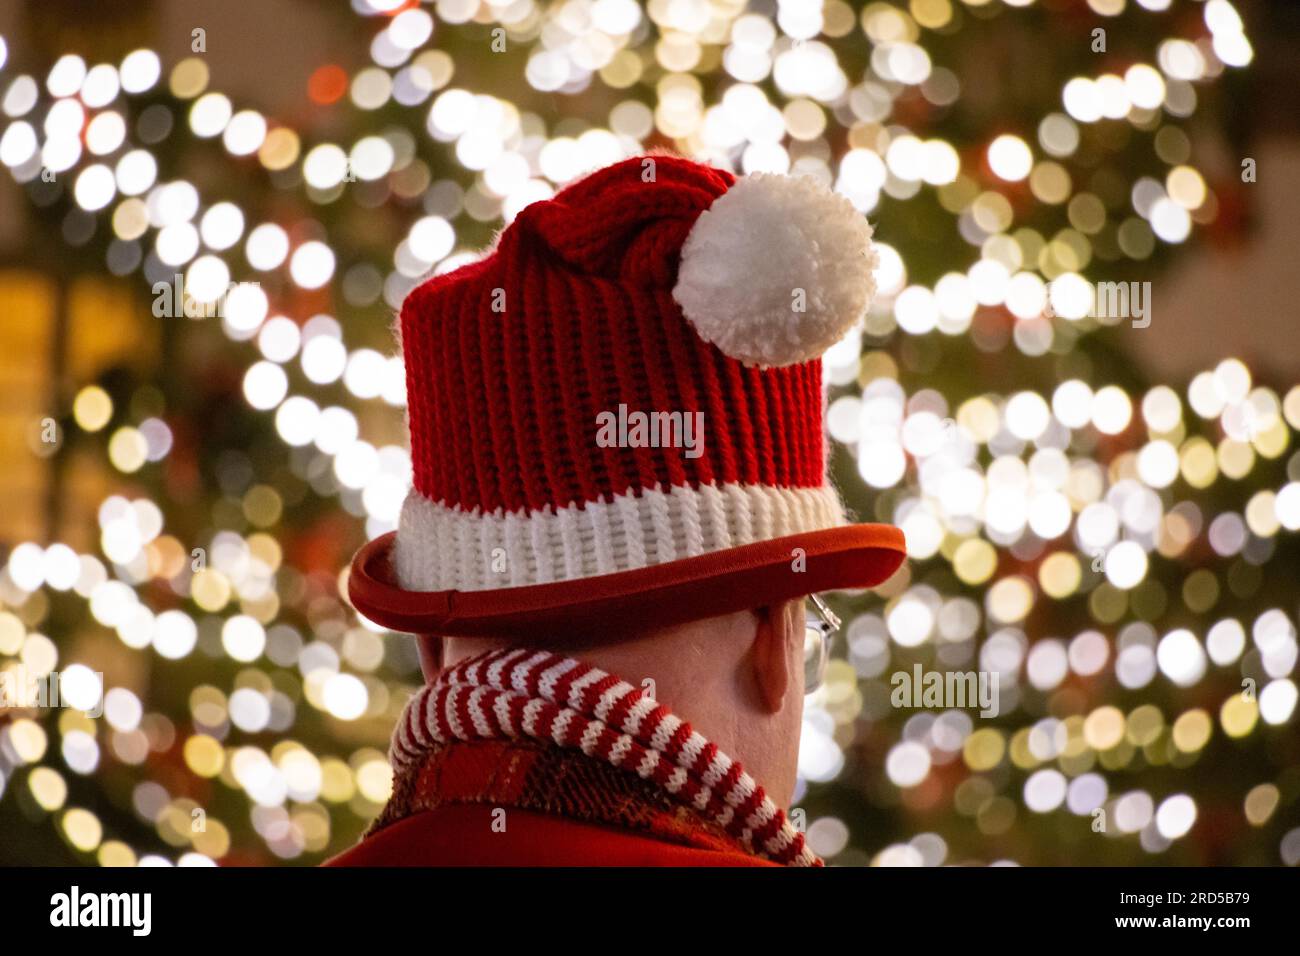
<point>616,414</point>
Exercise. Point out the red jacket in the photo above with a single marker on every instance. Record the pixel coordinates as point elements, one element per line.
<point>523,803</point>
<point>462,835</point>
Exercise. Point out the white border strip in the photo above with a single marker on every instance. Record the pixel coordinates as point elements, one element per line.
<point>443,549</point>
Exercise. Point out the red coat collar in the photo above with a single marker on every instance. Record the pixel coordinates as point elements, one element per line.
<point>522,803</point>
<point>463,835</point>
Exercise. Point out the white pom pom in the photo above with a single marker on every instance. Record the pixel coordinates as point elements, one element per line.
<point>777,270</point>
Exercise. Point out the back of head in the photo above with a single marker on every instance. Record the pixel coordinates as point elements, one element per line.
<point>738,678</point>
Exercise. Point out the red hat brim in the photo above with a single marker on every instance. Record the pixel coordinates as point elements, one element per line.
<point>722,582</point>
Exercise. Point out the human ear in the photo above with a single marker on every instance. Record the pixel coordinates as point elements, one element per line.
<point>773,658</point>
<point>429,647</point>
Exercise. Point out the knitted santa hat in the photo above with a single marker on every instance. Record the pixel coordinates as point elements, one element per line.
<point>616,415</point>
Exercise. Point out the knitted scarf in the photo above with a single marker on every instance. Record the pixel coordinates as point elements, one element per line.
<point>536,696</point>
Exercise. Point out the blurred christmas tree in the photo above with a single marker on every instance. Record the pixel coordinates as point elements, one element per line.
<point>1101,545</point>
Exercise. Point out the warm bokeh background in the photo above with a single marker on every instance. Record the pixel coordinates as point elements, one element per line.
<point>1103,515</point>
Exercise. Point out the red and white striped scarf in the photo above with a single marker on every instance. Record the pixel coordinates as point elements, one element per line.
<point>539,695</point>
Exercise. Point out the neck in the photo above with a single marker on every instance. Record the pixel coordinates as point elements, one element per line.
<point>702,672</point>
<point>573,706</point>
